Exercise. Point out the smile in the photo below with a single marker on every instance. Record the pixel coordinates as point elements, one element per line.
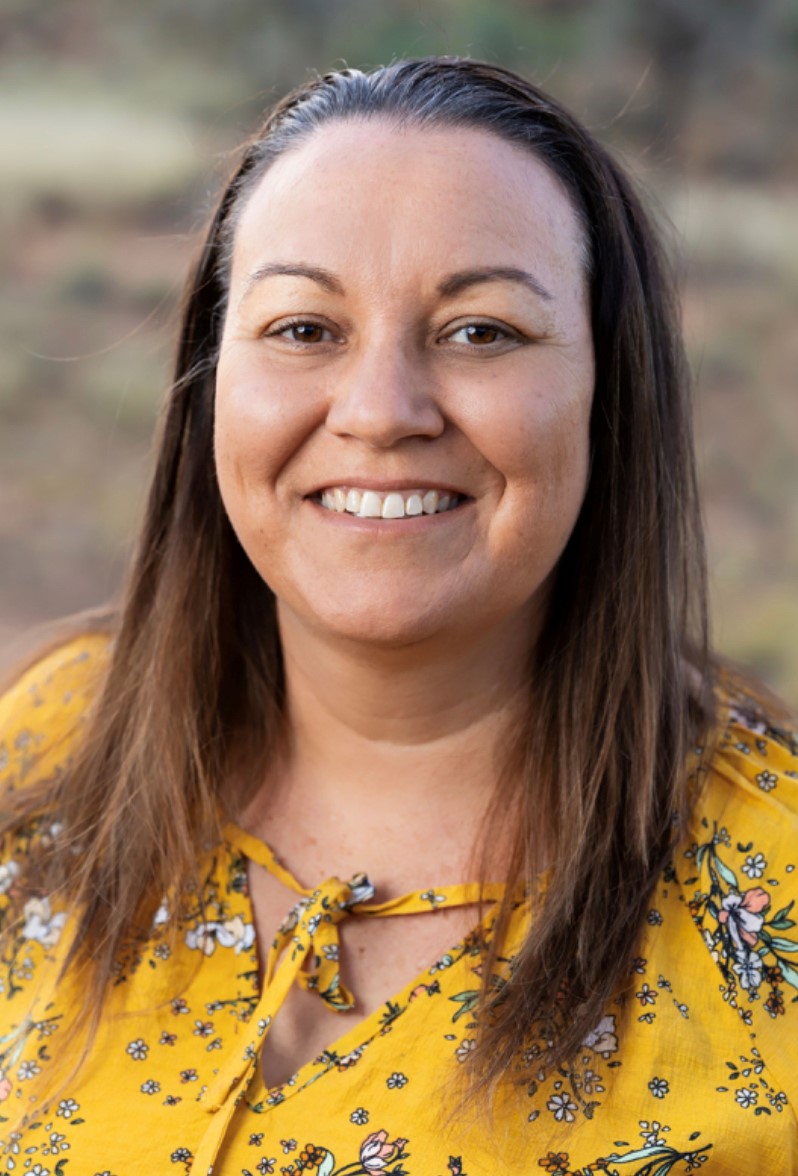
<point>392,504</point>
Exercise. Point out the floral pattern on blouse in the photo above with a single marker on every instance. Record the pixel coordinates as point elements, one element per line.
<point>699,1042</point>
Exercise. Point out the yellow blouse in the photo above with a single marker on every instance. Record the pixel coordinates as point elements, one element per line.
<point>696,1067</point>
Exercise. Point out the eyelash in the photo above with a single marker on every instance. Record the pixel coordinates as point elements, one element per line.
<point>292,324</point>
<point>505,333</point>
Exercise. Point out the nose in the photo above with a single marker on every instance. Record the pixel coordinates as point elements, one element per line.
<point>386,394</point>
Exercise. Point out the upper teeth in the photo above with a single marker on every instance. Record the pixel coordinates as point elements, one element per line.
<point>369,504</point>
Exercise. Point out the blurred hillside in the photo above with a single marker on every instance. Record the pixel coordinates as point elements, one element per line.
<point>116,122</point>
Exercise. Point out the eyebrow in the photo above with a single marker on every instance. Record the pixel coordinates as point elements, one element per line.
<point>464,279</point>
<point>452,285</point>
<point>323,277</point>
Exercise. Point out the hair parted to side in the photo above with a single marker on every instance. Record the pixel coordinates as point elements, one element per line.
<point>619,683</point>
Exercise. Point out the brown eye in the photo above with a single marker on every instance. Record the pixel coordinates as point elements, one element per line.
<point>481,333</point>
<point>305,332</point>
<point>301,331</point>
<point>476,335</point>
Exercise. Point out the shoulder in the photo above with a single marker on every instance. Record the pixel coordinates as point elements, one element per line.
<point>42,711</point>
<point>753,771</point>
<point>740,875</point>
<point>745,820</point>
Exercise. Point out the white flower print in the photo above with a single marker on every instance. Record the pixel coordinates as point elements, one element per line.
<point>754,866</point>
<point>9,871</point>
<point>202,938</point>
<point>444,962</point>
<point>767,781</point>
<point>591,1082</point>
<point>56,1144</point>
<point>746,1096</point>
<point>748,966</point>
<point>13,1143</point>
<point>348,1059</point>
<point>651,1133</point>
<point>41,924</point>
<point>161,916</point>
<point>150,1086</point>
<point>744,718</point>
<point>233,933</point>
<point>562,1107</point>
<point>464,1049</point>
<point>658,1087</point>
<point>396,1081</point>
<point>361,890</point>
<point>67,1108</point>
<point>432,898</point>
<point>359,1117</point>
<point>138,1049</point>
<point>28,1070</point>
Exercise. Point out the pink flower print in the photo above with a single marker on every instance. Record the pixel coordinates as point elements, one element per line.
<point>604,1038</point>
<point>376,1153</point>
<point>5,1087</point>
<point>742,913</point>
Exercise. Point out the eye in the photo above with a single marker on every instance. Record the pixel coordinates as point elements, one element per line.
<point>301,331</point>
<point>481,335</point>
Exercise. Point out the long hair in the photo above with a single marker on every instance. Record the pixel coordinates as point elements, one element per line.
<point>618,687</point>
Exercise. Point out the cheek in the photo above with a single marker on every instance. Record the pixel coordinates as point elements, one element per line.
<point>540,441</point>
<point>260,422</point>
<point>542,451</point>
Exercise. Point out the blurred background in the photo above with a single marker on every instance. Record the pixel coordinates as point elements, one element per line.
<point>116,125</point>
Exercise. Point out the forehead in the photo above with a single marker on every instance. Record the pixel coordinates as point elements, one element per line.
<point>362,193</point>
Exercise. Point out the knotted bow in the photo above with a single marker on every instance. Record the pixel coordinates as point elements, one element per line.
<point>310,931</point>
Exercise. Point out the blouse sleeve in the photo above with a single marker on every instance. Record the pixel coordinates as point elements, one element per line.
<point>742,889</point>
<point>42,711</point>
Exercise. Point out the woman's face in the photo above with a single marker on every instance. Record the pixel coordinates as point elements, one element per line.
<point>408,323</point>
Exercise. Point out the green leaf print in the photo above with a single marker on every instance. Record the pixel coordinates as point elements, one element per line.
<point>789,973</point>
<point>780,920</point>
<point>468,1000</point>
<point>728,876</point>
<point>657,1161</point>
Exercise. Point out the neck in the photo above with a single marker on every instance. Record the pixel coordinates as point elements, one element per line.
<point>393,753</point>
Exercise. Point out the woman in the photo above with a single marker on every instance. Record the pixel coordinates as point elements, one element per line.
<point>418,603</point>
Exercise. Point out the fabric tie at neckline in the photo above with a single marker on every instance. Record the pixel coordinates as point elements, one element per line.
<point>307,946</point>
<point>310,930</point>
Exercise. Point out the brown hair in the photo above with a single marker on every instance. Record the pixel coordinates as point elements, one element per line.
<point>618,688</point>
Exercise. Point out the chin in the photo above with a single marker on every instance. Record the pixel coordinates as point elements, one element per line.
<point>380,625</point>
